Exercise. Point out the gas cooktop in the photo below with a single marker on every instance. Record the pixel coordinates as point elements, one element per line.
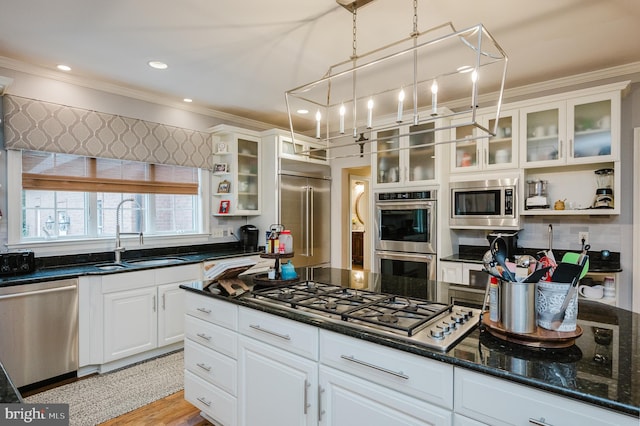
<point>434,325</point>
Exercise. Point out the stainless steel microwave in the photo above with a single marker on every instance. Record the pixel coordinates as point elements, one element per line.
<point>485,204</point>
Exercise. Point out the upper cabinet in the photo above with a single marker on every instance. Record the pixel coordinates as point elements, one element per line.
<point>577,130</point>
<point>236,172</point>
<point>495,153</point>
<point>405,160</point>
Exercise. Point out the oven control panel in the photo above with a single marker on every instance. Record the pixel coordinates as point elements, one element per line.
<point>413,195</point>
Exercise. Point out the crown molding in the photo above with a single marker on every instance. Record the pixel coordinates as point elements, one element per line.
<point>628,71</point>
<point>128,92</point>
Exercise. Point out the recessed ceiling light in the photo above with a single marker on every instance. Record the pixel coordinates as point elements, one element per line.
<point>303,111</point>
<point>62,67</point>
<point>159,65</point>
<point>188,100</point>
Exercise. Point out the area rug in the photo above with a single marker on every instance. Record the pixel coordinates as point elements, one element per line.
<point>99,398</point>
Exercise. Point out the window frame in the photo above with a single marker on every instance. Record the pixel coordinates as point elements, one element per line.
<point>94,243</point>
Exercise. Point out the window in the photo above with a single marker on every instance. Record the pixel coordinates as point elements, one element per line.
<point>66,196</point>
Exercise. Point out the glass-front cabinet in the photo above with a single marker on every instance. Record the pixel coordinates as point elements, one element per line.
<point>575,131</point>
<point>405,159</point>
<point>235,172</point>
<point>494,153</point>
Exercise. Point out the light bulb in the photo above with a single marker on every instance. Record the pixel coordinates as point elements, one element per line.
<point>342,111</point>
<point>434,98</point>
<point>318,118</point>
<point>400,100</point>
<point>369,113</point>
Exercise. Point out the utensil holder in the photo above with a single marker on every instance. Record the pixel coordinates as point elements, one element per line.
<point>549,299</point>
<point>518,306</point>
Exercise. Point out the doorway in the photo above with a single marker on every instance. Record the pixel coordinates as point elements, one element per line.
<point>359,212</point>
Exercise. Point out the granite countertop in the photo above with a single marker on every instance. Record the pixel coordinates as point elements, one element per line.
<point>72,266</point>
<point>612,383</point>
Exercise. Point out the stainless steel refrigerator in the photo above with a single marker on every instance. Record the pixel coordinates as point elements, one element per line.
<point>305,209</point>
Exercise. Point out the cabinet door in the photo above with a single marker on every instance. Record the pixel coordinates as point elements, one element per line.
<point>465,155</point>
<point>501,151</point>
<point>170,314</point>
<point>349,400</point>
<point>421,155</point>
<point>248,176</point>
<point>275,387</point>
<point>130,322</point>
<point>387,157</point>
<point>543,132</point>
<point>594,131</point>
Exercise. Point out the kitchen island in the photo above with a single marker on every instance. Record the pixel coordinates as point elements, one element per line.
<point>599,375</point>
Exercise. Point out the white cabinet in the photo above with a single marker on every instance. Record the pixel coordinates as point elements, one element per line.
<point>407,160</point>
<point>236,171</point>
<point>210,358</point>
<point>579,130</point>
<point>349,400</point>
<point>143,310</point>
<point>465,273</point>
<point>495,153</point>
<point>278,371</point>
<point>302,149</point>
<point>499,402</point>
<point>450,272</point>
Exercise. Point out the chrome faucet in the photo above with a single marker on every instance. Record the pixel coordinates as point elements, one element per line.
<point>119,248</point>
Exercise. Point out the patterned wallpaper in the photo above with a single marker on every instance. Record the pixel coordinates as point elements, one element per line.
<point>44,126</point>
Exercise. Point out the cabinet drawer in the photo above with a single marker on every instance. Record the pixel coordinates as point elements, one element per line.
<point>425,379</point>
<point>213,401</point>
<point>128,281</point>
<point>476,396</point>
<point>210,335</point>
<point>212,366</point>
<point>297,338</point>
<point>212,310</point>
<point>176,274</point>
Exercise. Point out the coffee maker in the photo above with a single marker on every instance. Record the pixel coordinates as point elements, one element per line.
<point>249,238</point>
<point>604,193</point>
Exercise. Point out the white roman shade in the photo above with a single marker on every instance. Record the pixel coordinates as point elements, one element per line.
<point>43,126</point>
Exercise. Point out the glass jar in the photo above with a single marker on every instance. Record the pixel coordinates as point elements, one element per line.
<point>286,241</point>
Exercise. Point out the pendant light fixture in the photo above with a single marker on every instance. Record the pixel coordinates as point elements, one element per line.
<point>402,85</point>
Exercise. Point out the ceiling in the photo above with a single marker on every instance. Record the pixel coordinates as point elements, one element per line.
<point>239,57</point>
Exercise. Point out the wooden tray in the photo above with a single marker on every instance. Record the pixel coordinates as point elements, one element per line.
<point>263,279</point>
<point>541,338</point>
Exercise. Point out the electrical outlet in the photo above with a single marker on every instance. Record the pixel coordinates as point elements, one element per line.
<point>217,233</point>
<point>583,235</point>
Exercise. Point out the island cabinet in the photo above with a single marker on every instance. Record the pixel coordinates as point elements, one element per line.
<point>480,399</point>
<point>278,371</point>
<point>365,383</point>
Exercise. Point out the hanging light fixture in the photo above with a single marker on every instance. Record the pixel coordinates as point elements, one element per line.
<point>402,85</point>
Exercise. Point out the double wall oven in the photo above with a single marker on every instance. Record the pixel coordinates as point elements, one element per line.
<point>405,225</point>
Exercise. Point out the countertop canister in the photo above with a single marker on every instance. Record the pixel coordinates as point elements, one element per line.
<point>518,306</point>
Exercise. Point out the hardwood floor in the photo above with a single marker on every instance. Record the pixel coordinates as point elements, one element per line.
<point>172,410</point>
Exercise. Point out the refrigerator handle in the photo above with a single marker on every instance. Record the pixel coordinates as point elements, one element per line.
<point>310,222</point>
<point>305,218</point>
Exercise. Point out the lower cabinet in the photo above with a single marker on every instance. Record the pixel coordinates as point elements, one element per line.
<point>494,401</point>
<point>349,400</point>
<point>143,310</point>
<point>275,386</point>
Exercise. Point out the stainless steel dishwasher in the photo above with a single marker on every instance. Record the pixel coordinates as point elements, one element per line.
<point>39,330</point>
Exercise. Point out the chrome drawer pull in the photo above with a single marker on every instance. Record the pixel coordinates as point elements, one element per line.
<point>204,401</point>
<point>320,410</point>
<point>375,367</point>
<point>273,333</point>
<point>204,366</point>
<point>204,336</point>
<point>204,310</point>
<point>306,395</point>
<point>540,422</point>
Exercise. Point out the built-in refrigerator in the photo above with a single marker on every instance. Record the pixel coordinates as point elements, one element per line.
<point>305,209</point>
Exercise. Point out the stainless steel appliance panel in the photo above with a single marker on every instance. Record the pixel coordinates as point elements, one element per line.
<point>406,225</point>
<point>39,330</point>
<point>305,209</point>
<point>414,265</point>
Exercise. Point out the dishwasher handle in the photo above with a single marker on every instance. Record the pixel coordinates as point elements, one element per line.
<point>31,293</point>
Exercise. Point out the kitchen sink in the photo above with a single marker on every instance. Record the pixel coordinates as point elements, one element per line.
<point>111,266</point>
<point>155,262</point>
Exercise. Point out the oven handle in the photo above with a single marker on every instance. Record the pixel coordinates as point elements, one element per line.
<point>402,256</point>
<point>404,205</point>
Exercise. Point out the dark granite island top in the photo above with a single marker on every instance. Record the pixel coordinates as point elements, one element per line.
<point>604,375</point>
